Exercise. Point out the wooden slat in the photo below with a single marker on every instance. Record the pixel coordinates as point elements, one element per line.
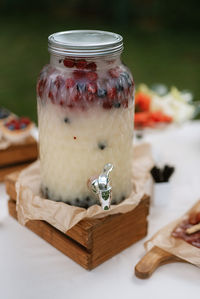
<point>56,238</point>
<point>19,153</point>
<point>118,232</point>
<point>81,232</point>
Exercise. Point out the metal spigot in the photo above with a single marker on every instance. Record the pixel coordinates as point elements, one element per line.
<point>102,188</point>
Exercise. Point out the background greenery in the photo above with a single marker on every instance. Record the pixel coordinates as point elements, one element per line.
<point>161,39</point>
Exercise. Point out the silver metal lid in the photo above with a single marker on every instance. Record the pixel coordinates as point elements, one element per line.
<point>85,43</point>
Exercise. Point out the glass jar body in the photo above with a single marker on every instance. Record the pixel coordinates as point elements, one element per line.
<point>85,118</point>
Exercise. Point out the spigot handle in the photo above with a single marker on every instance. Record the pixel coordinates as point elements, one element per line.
<point>101,186</point>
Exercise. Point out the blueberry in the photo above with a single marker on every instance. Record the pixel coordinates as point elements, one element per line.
<point>60,60</point>
<point>87,198</point>
<point>117,105</point>
<point>125,75</point>
<point>22,126</point>
<point>101,146</point>
<point>101,92</point>
<point>66,120</point>
<point>11,127</point>
<point>81,87</point>
<point>130,83</point>
<point>119,85</point>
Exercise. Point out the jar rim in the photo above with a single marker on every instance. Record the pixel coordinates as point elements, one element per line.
<point>85,43</point>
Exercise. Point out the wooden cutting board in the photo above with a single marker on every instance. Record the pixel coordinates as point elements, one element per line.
<point>153,259</point>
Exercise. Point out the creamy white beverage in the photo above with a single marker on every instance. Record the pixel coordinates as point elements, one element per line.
<point>85,117</point>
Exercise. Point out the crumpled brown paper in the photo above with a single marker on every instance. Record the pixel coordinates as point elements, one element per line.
<point>31,205</point>
<point>177,247</point>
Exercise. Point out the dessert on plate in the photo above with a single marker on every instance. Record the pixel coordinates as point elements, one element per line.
<point>16,129</point>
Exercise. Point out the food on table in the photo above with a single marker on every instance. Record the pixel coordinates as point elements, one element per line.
<point>16,129</point>
<point>189,230</point>
<point>155,108</point>
<point>85,111</point>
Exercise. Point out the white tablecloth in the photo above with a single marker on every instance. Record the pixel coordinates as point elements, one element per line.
<point>31,268</point>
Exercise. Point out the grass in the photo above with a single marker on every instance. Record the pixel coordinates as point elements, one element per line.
<point>154,57</point>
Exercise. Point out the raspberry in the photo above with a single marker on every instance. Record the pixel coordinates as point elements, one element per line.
<point>76,97</point>
<point>114,73</point>
<point>17,126</point>
<point>92,87</point>
<point>61,103</point>
<point>40,87</point>
<point>90,97</point>
<point>81,64</point>
<point>112,92</point>
<point>125,103</point>
<point>68,62</point>
<point>92,76</point>
<point>107,105</point>
<point>91,66</point>
<point>59,82</point>
<point>78,74</point>
<point>69,83</point>
<point>25,120</point>
<point>50,95</point>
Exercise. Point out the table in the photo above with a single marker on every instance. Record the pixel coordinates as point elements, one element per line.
<point>31,268</point>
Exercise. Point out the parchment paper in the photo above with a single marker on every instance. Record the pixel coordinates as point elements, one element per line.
<point>31,205</point>
<point>177,247</point>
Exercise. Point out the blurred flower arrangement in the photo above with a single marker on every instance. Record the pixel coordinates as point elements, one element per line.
<point>158,106</point>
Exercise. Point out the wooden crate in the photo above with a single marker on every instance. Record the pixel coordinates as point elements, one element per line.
<point>18,156</point>
<point>91,241</point>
